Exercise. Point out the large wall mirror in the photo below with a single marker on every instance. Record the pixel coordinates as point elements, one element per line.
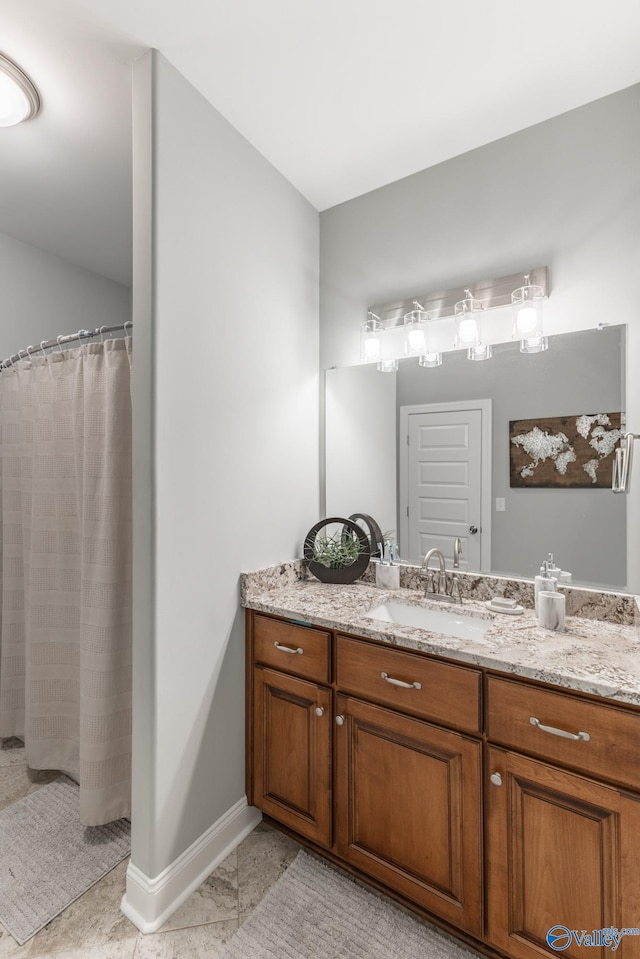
<point>371,464</point>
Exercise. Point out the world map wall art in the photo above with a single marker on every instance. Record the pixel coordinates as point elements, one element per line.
<point>564,451</point>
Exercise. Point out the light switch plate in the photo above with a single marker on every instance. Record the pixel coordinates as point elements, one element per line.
<point>500,504</point>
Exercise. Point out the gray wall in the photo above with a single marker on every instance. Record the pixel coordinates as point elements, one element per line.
<point>226,476</point>
<point>564,193</point>
<point>580,373</point>
<point>44,296</point>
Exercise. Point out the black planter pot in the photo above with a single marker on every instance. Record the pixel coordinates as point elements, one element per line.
<point>342,575</point>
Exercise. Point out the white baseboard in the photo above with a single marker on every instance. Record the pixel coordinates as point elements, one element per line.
<point>148,902</point>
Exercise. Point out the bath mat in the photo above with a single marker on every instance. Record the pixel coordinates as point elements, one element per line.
<point>48,858</point>
<point>316,912</point>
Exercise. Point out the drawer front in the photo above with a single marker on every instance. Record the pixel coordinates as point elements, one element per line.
<point>446,694</point>
<point>611,752</point>
<point>294,649</point>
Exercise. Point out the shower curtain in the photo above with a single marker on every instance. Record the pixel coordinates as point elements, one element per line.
<point>66,610</point>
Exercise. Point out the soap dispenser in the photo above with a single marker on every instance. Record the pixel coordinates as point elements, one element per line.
<point>549,568</point>
<point>387,572</point>
<point>546,580</point>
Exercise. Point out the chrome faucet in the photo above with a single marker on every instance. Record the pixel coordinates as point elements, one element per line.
<point>441,585</point>
<point>457,552</point>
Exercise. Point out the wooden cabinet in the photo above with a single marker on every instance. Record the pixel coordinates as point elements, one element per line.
<point>292,752</point>
<point>499,806</point>
<point>597,738</point>
<point>414,684</point>
<point>407,801</point>
<point>300,650</point>
<point>562,850</point>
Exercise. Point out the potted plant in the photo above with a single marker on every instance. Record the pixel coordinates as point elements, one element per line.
<point>337,556</point>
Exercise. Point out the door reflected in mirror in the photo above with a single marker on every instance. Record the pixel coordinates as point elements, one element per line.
<point>426,453</point>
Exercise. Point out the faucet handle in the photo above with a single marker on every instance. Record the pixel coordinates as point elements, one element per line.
<point>453,587</point>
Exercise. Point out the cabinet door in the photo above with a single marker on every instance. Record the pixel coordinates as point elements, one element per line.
<point>408,808</point>
<point>292,752</point>
<point>562,851</point>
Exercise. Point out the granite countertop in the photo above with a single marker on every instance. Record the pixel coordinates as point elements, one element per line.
<point>591,656</point>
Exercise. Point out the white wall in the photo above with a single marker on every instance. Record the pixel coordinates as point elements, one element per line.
<point>564,193</point>
<point>226,314</point>
<point>44,296</point>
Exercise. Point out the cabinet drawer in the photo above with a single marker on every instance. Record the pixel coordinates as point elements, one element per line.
<point>294,649</point>
<point>446,694</point>
<point>611,752</point>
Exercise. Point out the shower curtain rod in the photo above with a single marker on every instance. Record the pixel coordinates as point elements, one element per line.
<point>59,340</point>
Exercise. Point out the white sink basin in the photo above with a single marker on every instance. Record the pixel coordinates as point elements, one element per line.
<point>444,621</point>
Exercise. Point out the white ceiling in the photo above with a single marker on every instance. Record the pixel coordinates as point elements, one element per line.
<point>341,96</point>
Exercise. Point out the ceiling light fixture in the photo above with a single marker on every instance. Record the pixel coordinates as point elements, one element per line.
<point>19,99</point>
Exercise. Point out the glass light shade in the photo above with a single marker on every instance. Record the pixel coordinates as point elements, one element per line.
<point>526,304</point>
<point>467,319</point>
<point>416,334</point>
<point>370,345</point>
<point>534,344</point>
<point>430,359</point>
<point>19,99</point>
<point>388,366</point>
<point>480,352</point>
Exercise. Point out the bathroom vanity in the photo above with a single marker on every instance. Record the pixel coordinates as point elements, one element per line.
<point>492,784</point>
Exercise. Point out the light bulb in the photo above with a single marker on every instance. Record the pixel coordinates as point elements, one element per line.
<point>372,348</point>
<point>416,341</point>
<point>527,319</point>
<point>468,330</point>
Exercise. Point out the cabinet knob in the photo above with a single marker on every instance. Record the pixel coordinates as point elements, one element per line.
<point>496,779</point>
<point>319,710</point>
<point>339,720</point>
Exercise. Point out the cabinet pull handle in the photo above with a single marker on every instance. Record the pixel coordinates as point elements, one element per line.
<point>288,649</point>
<point>399,682</point>
<point>585,737</point>
<point>496,779</point>
<point>339,720</point>
<point>319,710</point>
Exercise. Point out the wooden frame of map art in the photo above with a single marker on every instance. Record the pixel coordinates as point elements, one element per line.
<point>569,452</point>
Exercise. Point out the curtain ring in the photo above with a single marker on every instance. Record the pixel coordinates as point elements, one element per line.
<point>126,324</point>
<point>29,348</point>
<point>20,356</point>
<point>58,338</point>
<point>101,332</point>
<point>43,347</point>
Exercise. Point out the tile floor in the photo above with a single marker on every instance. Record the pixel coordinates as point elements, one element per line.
<point>94,928</point>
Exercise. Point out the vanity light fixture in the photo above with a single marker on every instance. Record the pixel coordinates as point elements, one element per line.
<point>431,324</point>
<point>19,99</point>
<point>467,318</point>
<point>468,328</point>
<point>370,332</point>
<point>526,305</point>
<point>371,345</point>
<point>417,337</point>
